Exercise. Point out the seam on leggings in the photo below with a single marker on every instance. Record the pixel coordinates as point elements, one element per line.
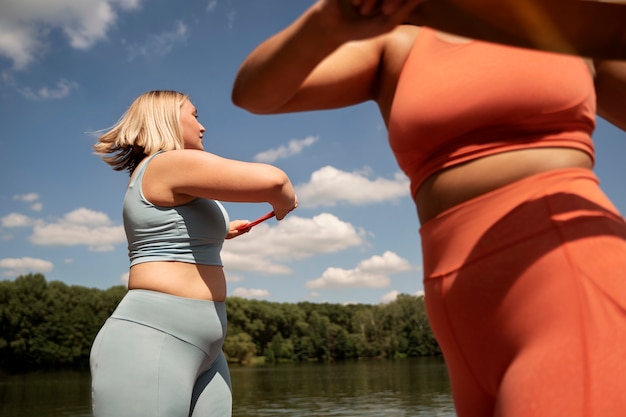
<point>460,351</point>
<point>158,382</point>
<point>138,323</point>
<point>486,254</point>
<point>565,249</point>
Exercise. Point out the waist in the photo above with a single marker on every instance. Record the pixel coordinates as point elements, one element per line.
<point>536,213</point>
<point>451,186</point>
<point>199,322</point>
<point>189,280</point>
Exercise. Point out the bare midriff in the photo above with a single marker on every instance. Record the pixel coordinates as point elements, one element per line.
<point>452,186</point>
<point>205,282</point>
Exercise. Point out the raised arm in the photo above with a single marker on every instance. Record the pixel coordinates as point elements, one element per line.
<point>206,175</point>
<point>327,58</point>
<point>583,27</point>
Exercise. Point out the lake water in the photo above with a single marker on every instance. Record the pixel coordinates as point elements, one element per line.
<point>377,388</point>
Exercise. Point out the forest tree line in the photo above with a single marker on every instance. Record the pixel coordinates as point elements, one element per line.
<point>51,325</point>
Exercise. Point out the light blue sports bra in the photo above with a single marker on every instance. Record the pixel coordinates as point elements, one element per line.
<point>193,232</point>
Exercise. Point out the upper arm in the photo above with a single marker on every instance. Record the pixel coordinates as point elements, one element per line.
<point>174,176</point>
<point>610,84</point>
<point>346,77</point>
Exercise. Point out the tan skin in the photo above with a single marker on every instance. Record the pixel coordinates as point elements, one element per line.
<point>166,183</point>
<point>351,59</point>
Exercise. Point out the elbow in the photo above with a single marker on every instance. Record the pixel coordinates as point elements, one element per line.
<point>244,101</point>
<point>244,95</point>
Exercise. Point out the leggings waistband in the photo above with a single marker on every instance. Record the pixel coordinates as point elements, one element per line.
<point>199,322</point>
<point>513,212</point>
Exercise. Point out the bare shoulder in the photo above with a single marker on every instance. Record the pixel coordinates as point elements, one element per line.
<point>398,44</point>
<point>172,166</point>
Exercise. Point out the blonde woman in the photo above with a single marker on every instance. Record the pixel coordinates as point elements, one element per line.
<point>160,352</point>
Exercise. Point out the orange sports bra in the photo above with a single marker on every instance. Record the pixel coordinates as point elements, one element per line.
<point>456,102</point>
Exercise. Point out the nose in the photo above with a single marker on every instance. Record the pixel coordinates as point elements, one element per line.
<point>202,129</point>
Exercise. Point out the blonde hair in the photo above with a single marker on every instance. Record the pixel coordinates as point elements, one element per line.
<point>151,124</point>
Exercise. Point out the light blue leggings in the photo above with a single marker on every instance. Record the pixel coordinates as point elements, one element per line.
<point>160,355</point>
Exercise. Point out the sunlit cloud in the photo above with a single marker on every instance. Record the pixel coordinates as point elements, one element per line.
<point>393,295</point>
<point>294,147</point>
<point>268,248</point>
<point>31,198</point>
<point>12,220</point>
<point>211,5</point>
<point>329,186</point>
<point>62,89</point>
<point>25,26</point>
<point>124,278</point>
<point>160,44</point>
<point>390,297</point>
<point>370,273</point>
<point>80,227</point>
<point>27,198</point>
<point>250,293</point>
<point>14,267</point>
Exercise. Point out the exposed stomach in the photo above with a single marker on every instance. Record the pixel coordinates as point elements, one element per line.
<point>205,282</point>
<point>452,186</point>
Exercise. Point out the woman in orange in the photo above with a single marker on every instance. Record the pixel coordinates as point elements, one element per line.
<point>524,255</point>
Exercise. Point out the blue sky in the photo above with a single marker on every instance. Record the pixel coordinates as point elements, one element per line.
<point>68,68</point>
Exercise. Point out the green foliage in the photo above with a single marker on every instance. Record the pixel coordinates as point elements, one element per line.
<point>51,325</point>
<point>45,325</point>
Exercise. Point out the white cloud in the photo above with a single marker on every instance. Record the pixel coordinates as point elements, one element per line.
<point>80,227</point>
<point>294,147</point>
<point>231,16</point>
<point>30,198</point>
<point>124,278</point>
<point>392,295</point>
<point>267,247</point>
<point>211,5</point>
<point>27,198</point>
<point>230,278</point>
<point>160,44</point>
<point>389,297</point>
<point>16,220</point>
<point>329,185</point>
<point>26,24</point>
<point>62,89</point>
<point>371,273</point>
<point>250,293</point>
<point>20,266</point>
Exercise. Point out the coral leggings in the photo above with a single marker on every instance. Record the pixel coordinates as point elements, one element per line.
<point>526,293</point>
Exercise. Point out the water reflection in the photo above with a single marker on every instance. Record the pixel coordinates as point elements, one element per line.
<point>366,388</point>
<point>403,388</point>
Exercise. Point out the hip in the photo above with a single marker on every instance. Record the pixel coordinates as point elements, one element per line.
<point>555,203</point>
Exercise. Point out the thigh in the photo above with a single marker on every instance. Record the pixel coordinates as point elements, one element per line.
<point>538,328</point>
<point>212,395</point>
<point>139,371</point>
<point>576,365</point>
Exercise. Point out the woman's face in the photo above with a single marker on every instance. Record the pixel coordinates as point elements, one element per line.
<point>191,127</point>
